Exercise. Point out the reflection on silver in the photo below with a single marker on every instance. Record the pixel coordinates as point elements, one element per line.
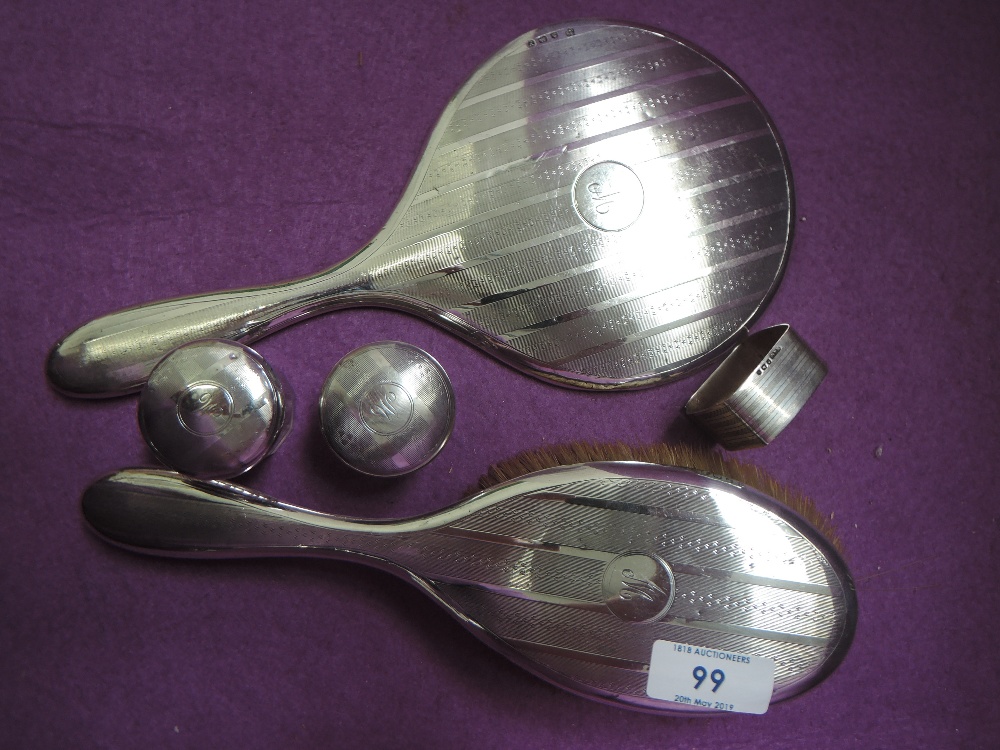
<point>607,208</point>
<point>214,409</point>
<point>387,408</point>
<point>573,572</point>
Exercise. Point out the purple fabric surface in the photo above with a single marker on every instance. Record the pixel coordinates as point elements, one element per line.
<point>156,149</point>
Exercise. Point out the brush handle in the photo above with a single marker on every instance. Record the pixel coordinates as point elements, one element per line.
<point>115,354</point>
<point>164,513</point>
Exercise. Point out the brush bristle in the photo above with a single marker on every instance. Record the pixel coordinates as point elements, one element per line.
<point>682,456</point>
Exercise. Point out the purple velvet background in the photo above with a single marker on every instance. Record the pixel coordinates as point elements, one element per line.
<point>155,149</point>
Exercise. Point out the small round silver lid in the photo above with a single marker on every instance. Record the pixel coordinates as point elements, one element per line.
<point>214,409</point>
<point>387,408</point>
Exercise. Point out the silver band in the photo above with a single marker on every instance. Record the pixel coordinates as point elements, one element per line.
<point>758,389</point>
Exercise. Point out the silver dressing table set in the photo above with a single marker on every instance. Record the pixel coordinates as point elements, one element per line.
<point>600,206</point>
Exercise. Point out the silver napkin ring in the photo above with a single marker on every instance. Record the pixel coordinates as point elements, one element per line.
<point>758,389</point>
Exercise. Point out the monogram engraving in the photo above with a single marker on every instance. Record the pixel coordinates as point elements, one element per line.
<point>634,586</point>
<point>386,408</point>
<point>381,403</point>
<point>608,196</point>
<point>603,198</point>
<point>638,587</point>
<point>204,408</point>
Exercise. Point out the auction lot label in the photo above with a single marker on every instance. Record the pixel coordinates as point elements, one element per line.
<point>711,678</point>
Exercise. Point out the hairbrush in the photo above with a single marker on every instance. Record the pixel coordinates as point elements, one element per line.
<point>579,569</point>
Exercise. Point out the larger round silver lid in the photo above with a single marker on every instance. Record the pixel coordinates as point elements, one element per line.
<point>387,408</point>
<point>213,409</point>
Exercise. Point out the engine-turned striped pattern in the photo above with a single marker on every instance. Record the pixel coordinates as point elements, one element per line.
<point>601,206</point>
<point>495,235</point>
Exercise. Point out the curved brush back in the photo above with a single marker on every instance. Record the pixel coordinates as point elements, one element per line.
<point>575,573</point>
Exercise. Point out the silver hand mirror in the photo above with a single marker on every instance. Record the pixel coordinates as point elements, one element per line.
<point>600,206</point>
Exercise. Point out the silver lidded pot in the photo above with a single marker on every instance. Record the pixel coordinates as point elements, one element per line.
<point>387,408</point>
<point>214,409</point>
